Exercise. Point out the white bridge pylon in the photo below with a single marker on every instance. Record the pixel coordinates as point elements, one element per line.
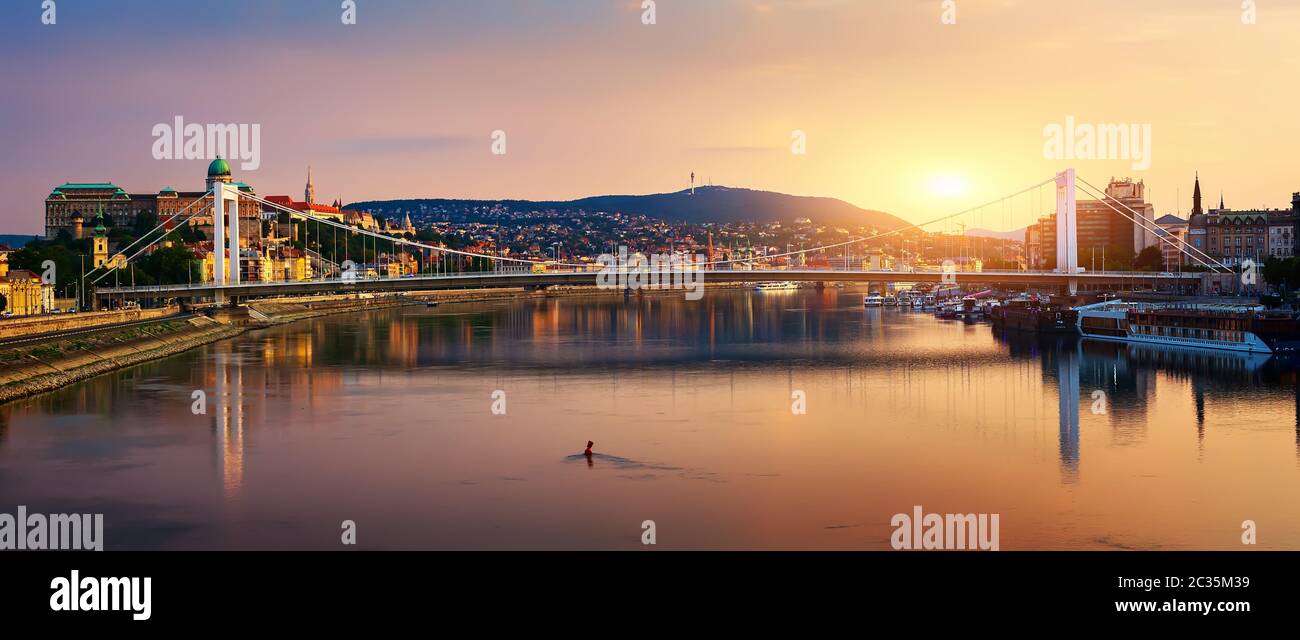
<point>221,194</point>
<point>1067,227</point>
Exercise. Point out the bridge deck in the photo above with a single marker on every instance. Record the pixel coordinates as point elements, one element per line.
<point>498,280</point>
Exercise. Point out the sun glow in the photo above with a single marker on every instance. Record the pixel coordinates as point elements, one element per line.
<point>948,186</point>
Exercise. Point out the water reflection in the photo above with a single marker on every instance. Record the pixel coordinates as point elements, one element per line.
<point>228,424</point>
<point>385,416</point>
<point>1120,380</point>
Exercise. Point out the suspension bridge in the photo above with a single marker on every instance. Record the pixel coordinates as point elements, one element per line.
<point>228,284</point>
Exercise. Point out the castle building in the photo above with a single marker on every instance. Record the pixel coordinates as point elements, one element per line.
<point>307,205</point>
<point>69,204</point>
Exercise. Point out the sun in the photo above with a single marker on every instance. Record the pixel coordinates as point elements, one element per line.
<point>948,186</point>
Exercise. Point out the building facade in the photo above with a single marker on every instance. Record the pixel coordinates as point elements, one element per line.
<point>23,292</point>
<point>1231,237</point>
<point>1172,240</point>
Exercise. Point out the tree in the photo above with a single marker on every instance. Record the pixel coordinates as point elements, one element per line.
<point>67,263</point>
<point>144,222</point>
<point>1149,259</point>
<point>1277,270</point>
<point>168,265</point>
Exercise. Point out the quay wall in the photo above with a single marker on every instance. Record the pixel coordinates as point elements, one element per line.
<point>48,365</point>
<point>48,323</point>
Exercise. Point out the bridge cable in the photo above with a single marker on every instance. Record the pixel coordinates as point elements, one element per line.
<point>171,218</point>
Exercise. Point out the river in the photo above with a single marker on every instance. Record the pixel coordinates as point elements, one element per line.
<point>745,420</point>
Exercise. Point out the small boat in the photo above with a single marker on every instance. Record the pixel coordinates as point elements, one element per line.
<point>873,301</point>
<point>776,286</point>
<point>891,301</point>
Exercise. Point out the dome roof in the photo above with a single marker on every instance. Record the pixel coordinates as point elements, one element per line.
<point>219,167</point>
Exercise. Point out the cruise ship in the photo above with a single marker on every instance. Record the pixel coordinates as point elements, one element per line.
<point>776,286</point>
<point>1235,327</point>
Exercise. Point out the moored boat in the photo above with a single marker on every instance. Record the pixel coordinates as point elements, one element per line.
<point>1247,328</point>
<point>776,286</point>
<point>1029,314</point>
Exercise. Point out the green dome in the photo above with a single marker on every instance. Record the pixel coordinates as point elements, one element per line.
<point>218,168</point>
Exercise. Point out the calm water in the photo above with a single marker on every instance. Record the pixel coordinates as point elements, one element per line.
<point>385,418</point>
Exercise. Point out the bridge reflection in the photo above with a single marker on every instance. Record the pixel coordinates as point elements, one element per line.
<point>228,419</point>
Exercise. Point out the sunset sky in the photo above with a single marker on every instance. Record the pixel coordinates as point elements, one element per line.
<point>902,113</point>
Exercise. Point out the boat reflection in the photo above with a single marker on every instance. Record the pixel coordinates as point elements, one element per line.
<point>1120,379</point>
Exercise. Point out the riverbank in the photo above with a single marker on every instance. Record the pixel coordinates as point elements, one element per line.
<point>30,369</point>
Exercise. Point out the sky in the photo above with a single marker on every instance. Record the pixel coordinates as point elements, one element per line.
<point>901,108</point>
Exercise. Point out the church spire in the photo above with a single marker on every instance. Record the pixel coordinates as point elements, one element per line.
<point>1196,196</point>
<point>310,192</point>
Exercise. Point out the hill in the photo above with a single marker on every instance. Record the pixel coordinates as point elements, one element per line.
<point>1018,234</point>
<point>708,204</point>
<point>15,241</point>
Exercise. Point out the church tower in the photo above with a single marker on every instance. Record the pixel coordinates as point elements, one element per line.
<point>309,194</point>
<point>100,241</point>
<point>1196,196</point>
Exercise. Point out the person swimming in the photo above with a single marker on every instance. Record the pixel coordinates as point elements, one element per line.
<point>588,451</point>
